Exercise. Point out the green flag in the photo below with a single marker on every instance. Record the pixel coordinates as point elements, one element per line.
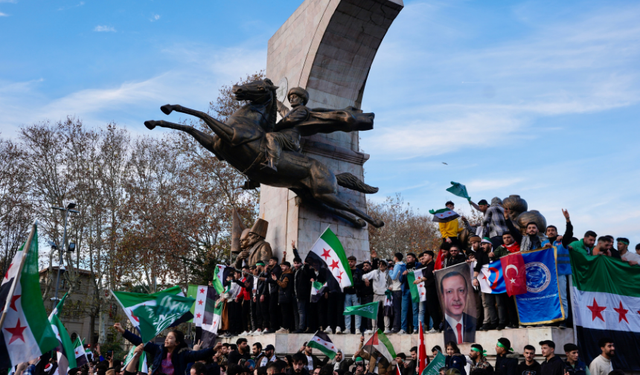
<point>434,367</point>
<point>66,358</point>
<point>368,310</point>
<point>155,319</point>
<point>459,190</point>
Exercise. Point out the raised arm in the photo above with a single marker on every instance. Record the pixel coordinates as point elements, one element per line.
<point>568,233</point>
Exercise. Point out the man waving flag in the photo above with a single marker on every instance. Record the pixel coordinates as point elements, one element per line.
<point>327,256</point>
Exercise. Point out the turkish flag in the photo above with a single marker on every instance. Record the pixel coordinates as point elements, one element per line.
<point>514,272</point>
<point>439,261</point>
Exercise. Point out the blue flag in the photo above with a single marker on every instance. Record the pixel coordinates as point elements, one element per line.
<point>541,304</point>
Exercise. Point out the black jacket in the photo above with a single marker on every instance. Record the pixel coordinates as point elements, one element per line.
<point>427,273</point>
<point>555,366</point>
<point>356,273</point>
<point>285,287</point>
<point>507,364</point>
<point>452,261</point>
<point>302,282</point>
<point>273,287</point>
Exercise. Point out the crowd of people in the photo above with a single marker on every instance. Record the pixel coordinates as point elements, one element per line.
<point>175,357</point>
<point>276,297</point>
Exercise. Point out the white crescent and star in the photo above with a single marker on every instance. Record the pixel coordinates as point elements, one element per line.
<point>506,272</point>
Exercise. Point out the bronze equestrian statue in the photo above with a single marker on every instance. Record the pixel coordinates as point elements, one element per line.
<point>241,141</point>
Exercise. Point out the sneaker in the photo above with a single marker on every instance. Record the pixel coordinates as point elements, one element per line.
<point>282,330</point>
<point>500,327</point>
<point>402,332</point>
<point>563,325</point>
<point>245,333</point>
<point>415,331</point>
<point>370,332</point>
<point>257,332</point>
<point>387,331</point>
<point>359,332</point>
<point>508,327</point>
<point>329,330</point>
<point>308,330</point>
<point>266,331</point>
<point>432,330</point>
<point>338,330</point>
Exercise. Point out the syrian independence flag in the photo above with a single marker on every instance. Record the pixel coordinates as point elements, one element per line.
<point>220,275</point>
<point>66,360</point>
<point>368,310</point>
<point>211,318</point>
<point>418,291</point>
<point>606,303</point>
<point>444,215</point>
<point>156,318</point>
<point>26,332</point>
<point>434,367</point>
<point>323,343</point>
<point>142,362</point>
<point>327,256</point>
<point>317,291</point>
<point>381,344</point>
<point>81,355</point>
<point>131,301</point>
<point>515,275</point>
<point>491,280</point>
<point>199,293</point>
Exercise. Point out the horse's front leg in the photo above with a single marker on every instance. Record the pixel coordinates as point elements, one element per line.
<point>206,140</point>
<point>220,128</point>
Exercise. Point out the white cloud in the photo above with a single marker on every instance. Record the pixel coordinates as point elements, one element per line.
<point>3,14</point>
<point>100,28</point>
<point>193,83</point>
<point>154,17</point>
<point>449,95</point>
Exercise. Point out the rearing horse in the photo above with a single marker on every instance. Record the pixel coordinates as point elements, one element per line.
<point>241,142</point>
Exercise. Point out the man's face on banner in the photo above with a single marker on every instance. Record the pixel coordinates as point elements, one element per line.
<point>454,289</point>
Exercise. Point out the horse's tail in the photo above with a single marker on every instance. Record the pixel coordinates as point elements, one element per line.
<point>352,182</point>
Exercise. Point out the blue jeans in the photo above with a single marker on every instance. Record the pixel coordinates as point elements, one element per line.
<point>302,315</point>
<point>406,302</point>
<point>351,300</point>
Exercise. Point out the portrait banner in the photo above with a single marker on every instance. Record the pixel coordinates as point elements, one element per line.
<point>457,302</point>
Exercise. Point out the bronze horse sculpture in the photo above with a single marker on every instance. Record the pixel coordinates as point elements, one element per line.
<point>241,142</point>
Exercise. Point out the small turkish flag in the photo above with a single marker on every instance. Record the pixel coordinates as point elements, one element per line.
<point>514,272</point>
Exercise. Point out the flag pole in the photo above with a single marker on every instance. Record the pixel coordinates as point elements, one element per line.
<point>15,279</point>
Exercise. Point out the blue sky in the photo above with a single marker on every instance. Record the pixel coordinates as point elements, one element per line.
<point>536,98</point>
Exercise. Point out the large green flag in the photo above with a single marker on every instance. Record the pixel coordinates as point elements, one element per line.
<point>27,331</point>
<point>434,367</point>
<point>131,301</point>
<point>368,310</point>
<point>154,319</point>
<point>459,190</point>
<point>66,360</point>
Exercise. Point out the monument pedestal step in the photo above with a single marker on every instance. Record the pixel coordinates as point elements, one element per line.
<point>290,343</point>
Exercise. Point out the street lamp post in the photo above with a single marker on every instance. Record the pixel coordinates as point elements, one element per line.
<point>70,208</point>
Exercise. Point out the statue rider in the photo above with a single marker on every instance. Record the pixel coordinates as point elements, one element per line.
<point>285,135</point>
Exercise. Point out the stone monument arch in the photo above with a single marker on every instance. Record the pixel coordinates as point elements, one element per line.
<point>326,47</point>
